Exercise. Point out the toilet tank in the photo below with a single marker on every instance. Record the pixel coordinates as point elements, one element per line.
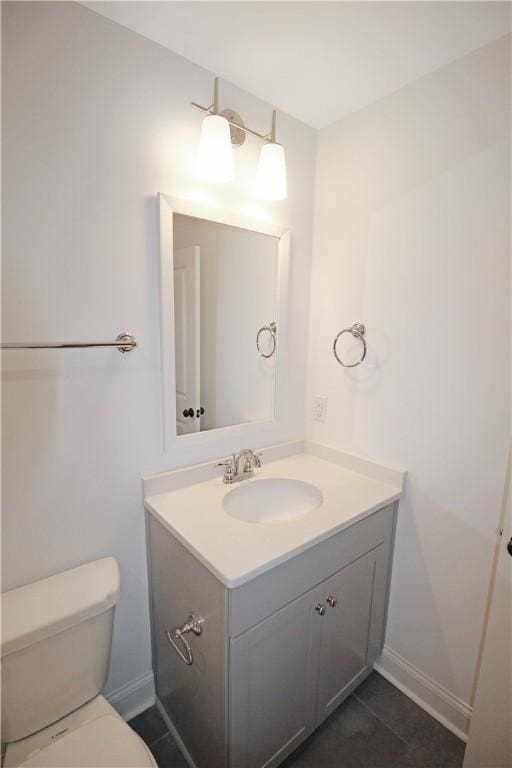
<point>55,645</point>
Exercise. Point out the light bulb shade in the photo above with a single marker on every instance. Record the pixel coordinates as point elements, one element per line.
<point>215,154</point>
<point>271,177</point>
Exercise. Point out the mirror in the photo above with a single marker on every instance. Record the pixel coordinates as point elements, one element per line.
<point>226,328</point>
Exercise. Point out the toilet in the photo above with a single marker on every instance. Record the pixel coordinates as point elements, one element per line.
<point>55,652</point>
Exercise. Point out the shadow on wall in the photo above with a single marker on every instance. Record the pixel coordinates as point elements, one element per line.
<point>423,130</point>
<point>368,376</point>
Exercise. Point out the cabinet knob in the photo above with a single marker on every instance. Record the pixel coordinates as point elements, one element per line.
<point>333,601</point>
<point>320,609</point>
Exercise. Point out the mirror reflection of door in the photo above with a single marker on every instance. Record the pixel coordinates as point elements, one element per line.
<point>187,323</point>
<point>226,290</point>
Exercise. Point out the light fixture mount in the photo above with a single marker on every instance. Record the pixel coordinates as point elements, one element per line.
<point>236,126</point>
<point>236,123</point>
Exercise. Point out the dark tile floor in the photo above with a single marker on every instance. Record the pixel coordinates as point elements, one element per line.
<point>376,727</point>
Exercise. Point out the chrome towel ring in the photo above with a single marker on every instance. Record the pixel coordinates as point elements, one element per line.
<point>272,329</point>
<point>193,624</point>
<point>358,331</point>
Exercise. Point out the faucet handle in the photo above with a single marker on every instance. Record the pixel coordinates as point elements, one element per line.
<point>229,472</point>
<point>229,462</point>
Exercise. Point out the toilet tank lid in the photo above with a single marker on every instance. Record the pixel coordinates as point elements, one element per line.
<point>39,610</point>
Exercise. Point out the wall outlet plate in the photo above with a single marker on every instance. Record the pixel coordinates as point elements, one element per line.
<point>319,408</point>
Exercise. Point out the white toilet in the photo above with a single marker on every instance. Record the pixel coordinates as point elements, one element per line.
<point>56,640</point>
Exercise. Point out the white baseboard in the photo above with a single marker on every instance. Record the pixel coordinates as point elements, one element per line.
<point>449,710</point>
<point>134,697</point>
<point>139,694</point>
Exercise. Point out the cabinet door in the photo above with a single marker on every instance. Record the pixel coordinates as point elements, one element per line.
<point>273,685</point>
<point>344,647</point>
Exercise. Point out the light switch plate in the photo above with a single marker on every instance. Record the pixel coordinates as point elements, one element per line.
<point>320,408</point>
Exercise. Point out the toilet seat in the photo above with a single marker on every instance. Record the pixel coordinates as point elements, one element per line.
<point>93,736</point>
<point>106,742</point>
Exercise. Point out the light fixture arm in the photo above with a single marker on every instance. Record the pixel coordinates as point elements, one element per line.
<point>216,96</point>
<point>214,110</point>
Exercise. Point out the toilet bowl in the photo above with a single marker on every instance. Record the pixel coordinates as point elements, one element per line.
<point>55,651</point>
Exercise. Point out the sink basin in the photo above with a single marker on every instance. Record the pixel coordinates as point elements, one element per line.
<point>272,500</point>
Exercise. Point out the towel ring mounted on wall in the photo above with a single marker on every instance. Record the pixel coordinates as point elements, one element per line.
<point>358,331</point>
<point>272,329</point>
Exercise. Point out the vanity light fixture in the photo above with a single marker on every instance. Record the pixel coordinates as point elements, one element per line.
<point>215,153</point>
<point>223,130</point>
<point>271,177</point>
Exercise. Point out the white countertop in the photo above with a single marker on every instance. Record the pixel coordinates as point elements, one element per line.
<point>236,551</point>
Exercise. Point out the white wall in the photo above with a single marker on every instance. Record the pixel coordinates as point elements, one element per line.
<point>96,122</point>
<point>238,279</point>
<point>412,225</point>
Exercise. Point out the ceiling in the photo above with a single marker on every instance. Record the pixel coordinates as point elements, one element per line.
<point>318,61</point>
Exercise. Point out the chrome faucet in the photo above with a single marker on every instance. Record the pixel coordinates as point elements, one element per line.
<point>240,466</point>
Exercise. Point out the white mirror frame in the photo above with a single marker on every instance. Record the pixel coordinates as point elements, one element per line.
<point>168,206</point>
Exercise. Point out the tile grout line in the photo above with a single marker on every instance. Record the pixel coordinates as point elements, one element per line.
<point>376,716</point>
<point>160,738</point>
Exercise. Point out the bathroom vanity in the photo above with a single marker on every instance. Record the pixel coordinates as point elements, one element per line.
<point>291,612</point>
<point>268,595</point>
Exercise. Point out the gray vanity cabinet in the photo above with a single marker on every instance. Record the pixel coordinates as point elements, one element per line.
<point>345,632</point>
<point>273,685</point>
<point>289,672</point>
<point>278,654</point>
